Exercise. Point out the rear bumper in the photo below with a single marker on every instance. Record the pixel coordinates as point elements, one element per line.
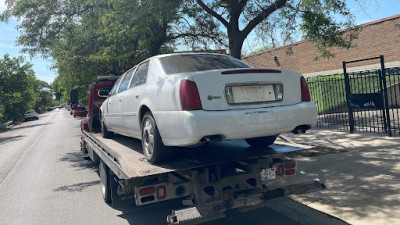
<point>82,114</point>
<point>185,128</point>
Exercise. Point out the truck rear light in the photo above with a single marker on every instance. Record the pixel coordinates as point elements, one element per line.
<point>161,192</point>
<point>279,171</point>
<point>290,172</point>
<point>290,165</point>
<point>305,93</point>
<point>189,96</point>
<point>147,190</point>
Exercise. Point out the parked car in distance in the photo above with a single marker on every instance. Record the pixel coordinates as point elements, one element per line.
<point>79,111</point>
<point>188,99</point>
<point>31,115</point>
<point>73,107</point>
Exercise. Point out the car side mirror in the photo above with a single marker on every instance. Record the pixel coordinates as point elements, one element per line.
<point>103,93</point>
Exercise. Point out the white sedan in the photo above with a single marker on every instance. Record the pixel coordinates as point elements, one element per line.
<point>188,99</point>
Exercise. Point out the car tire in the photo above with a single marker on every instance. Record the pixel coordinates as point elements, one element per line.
<point>104,132</point>
<point>153,148</point>
<point>105,181</point>
<point>261,142</point>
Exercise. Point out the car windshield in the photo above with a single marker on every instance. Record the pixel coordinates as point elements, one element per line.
<point>199,62</point>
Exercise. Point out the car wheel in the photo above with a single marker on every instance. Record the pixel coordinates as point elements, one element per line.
<point>153,148</point>
<point>105,133</point>
<point>105,181</point>
<point>261,141</point>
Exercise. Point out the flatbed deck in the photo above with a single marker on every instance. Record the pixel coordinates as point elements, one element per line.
<point>126,159</point>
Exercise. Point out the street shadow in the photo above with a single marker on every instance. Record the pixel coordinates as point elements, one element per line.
<point>156,214</point>
<point>5,140</point>
<point>77,187</point>
<point>78,160</point>
<point>364,179</point>
<point>26,126</point>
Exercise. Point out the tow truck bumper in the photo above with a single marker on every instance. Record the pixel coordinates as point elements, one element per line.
<point>215,210</point>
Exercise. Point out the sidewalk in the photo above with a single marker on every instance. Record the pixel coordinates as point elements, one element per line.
<point>363,184</point>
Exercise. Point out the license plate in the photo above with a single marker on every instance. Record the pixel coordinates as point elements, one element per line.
<point>268,174</point>
<point>254,93</point>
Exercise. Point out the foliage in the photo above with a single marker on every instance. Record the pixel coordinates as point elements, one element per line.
<point>329,93</point>
<point>313,17</point>
<point>105,37</point>
<point>90,38</point>
<point>20,91</point>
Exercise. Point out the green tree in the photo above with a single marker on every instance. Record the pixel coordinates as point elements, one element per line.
<point>92,38</point>
<point>17,93</point>
<point>315,18</point>
<point>43,97</point>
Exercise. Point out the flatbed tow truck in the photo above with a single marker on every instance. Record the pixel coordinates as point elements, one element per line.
<point>210,179</point>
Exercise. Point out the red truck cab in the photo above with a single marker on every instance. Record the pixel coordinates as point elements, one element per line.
<point>96,96</point>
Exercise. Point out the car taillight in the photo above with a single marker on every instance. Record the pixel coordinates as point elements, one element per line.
<point>189,94</point>
<point>147,190</point>
<point>305,93</point>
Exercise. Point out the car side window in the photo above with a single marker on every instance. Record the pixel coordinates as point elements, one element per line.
<point>140,75</point>
<point>115,87</point>
<point>125,81</point>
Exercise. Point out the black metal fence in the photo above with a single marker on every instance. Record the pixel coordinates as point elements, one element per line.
<point>363,101</point>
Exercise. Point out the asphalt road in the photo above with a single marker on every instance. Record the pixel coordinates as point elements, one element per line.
<point>44,179</point>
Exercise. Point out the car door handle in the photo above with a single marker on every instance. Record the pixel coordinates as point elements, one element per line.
<point>137,96</point>
<point>120,100</point>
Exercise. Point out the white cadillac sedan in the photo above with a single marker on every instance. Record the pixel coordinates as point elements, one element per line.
<point>188,99</point>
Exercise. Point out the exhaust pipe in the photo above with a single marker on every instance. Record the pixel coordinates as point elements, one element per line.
<point>212,138</point>
<point>300,129</point>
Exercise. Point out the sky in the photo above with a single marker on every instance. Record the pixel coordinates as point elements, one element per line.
<point>363,10</point>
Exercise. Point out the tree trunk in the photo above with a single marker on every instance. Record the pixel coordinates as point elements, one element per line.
<point>235,46</point>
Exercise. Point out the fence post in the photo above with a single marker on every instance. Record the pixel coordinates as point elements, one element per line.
<point>385,94</point>
<point>347,87</point>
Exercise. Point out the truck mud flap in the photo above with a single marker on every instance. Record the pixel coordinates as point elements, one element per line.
<point>216,210</point>
<point>120,199</point>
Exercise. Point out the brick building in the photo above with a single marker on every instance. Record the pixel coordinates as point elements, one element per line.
<point>380,37</point>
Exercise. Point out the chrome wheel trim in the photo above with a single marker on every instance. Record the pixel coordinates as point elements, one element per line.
<point>148,137</point>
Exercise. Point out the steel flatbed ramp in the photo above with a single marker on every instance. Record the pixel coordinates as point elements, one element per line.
<point>127,160</point>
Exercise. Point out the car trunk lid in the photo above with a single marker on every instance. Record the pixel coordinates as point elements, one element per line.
<point>247,88</point>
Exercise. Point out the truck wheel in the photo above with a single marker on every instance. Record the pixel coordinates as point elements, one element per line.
<point>105,181</point>
<point>105,133</point>
<point>153,148</point>
<point>261,141</point>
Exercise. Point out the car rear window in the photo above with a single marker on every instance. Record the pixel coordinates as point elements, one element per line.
<point>199,62</point>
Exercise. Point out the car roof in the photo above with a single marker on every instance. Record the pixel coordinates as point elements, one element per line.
<point>187,53</point>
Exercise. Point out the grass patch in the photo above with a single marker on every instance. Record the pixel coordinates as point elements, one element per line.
<point>329,92</point>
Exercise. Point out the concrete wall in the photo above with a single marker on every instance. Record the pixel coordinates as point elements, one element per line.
<point>376,38</point>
